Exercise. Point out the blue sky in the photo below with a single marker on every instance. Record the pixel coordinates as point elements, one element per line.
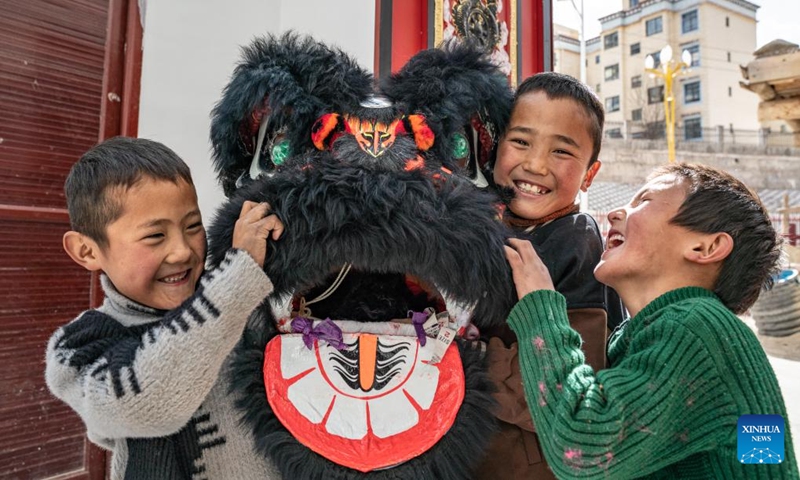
<point>776,18</point>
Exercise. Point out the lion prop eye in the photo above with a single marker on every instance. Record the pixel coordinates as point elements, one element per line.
<point>460,148</point>
<point>278,149</point>
<point>280,152</point>
<point>465,148</point>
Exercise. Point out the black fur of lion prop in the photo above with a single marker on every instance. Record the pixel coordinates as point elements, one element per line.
<point>389,252</point>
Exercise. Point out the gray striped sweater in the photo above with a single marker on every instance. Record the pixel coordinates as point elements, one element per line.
<point>151,385</point>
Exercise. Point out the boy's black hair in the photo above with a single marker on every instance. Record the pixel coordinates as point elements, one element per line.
<point>756,245</point>
<point>116,162</point>
<point>557,86</point>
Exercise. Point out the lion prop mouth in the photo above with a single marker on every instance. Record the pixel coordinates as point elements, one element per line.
<point>369,297</point>
<point>376,304</point>
<point>413,243</point>
<point>352,378</point>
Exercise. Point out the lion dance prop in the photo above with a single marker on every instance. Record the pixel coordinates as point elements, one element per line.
<point>361,362</point>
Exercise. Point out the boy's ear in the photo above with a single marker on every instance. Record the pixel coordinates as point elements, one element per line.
<point>589,177</point>
<point>710,248</point>
<point>83,250</point>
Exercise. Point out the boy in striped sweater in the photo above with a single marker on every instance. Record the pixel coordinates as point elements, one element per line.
<point>683,368</point>
<point>145,370</point>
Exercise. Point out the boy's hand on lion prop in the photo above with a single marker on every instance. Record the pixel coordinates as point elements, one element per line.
<point>253,228</point>
<point>527,269</point>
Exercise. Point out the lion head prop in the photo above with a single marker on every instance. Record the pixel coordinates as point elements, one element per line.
<point>359,364</point>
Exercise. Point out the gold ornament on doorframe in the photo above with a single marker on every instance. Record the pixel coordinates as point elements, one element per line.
<point>480,21</point>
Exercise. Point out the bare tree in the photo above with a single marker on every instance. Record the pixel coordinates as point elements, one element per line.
<point>651,124</point>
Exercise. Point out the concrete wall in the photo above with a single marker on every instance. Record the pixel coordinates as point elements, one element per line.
<point>612,88</point>
<point>349,24</point>
<point>631,161</point>
<point>594,71</point>
<point>190,50</point>
<point>566,54</point>
<point>722,106</point>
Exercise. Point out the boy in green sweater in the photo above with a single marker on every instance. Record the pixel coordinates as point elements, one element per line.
<point>683,368</point>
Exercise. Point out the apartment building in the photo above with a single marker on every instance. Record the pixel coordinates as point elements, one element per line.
<point>720,35</point>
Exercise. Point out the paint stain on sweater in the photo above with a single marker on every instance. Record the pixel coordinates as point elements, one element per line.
<point>572,455</point>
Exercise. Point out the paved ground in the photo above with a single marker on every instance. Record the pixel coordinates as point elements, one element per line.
<point>784,355</point>
<point>788,372</point>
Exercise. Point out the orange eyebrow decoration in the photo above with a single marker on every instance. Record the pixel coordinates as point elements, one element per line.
<point>323,128</point>
<point>423,135</point>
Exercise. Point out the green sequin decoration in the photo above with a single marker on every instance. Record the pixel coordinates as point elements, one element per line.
<point>280,152</point>
<point>460,146</point>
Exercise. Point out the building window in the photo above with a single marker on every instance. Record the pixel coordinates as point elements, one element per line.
<point>656,59</point>
<point>727,21</point>
<point>612,103</point>
<point>691,92</point>
<point>614,133</point>
<point>689,22</point>
<point>611,40</point>
<point>636,115</point>
<point>636,81</point>
<point>729,57</point>
<point>653,26</point>
<point>692,129</point>
<point>612,72</point>
<point>730,92</point>
<point>633,3</point>
<point>636,48</point>
<point>694,50</point>
<point>655,94</point>
<point>598,88</point>
<point>596,59</point>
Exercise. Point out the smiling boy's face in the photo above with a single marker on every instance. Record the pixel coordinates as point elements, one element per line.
<point>643,246</point>
<point>544,155</point>
<point>156,248</point>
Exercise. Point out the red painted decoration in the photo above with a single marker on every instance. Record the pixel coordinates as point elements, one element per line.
<point>370,419</point>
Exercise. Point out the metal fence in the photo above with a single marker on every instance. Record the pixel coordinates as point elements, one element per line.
<point>696,136</point>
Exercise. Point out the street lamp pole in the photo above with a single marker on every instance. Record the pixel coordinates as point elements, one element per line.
<point>581,39</point>
<point>584,197</point>
<point>668,70</point>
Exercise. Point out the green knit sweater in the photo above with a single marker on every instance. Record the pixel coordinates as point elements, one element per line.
<point>682,372</point>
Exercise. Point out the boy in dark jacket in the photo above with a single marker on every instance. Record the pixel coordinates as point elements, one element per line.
<point>547,155</point>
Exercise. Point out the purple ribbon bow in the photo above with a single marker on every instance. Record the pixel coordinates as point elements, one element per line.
<point>326,330</point>
<point>418,319</point>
